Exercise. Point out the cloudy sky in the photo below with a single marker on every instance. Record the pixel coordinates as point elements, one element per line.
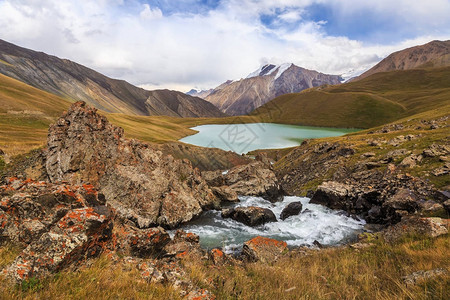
<point>201,43</point>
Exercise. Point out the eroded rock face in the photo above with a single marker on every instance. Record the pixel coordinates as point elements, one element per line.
<point>263,249</point>
<point>253,179</point>
<point>225,194</point>
<point>144,185</point>
<point>251,216</point>
<point>54,222</point>
<point>385,204</point>
<point>184,244</point>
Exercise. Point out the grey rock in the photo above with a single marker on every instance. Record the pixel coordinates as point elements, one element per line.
<point>144,185</point>
<point>404,199</point>
<point>250,216</point>
<point>292,209</point>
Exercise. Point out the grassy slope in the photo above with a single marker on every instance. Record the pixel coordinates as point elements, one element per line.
<point>27,112</point>
<point>378,99</point>
<point>359,142</point>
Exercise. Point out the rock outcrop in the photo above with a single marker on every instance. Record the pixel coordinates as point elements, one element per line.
<point>431,227</point>
<point>145,186</point>
<point>57,224</point>
<point>251,216</point>
<point>62,226</point>
<point>263,249</point>
<point>253,179</point>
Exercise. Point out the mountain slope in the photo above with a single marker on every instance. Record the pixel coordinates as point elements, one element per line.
<point>200,93</point>
<point>75,82</point>
<point>26,113</point>
<point>372,101</point>
<point>243,96</point>
<point>433,54</point>
<point>173,103</point>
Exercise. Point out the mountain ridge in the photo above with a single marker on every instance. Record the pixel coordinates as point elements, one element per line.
<point>433,54</point>
<point>74,82</point>
<point>242,96</point>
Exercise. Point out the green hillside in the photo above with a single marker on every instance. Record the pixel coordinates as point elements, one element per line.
<point>375,100</point>
<point>27,112</point>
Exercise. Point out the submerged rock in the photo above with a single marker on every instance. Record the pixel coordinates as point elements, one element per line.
<point>144,185</point>
<point>250,216</point>
<point>292,209</point>
<point>263,249</point>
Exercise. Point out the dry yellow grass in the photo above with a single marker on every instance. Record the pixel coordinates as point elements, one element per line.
<point>336,273</point>
<point>101,280</point>
<point>340,273</point>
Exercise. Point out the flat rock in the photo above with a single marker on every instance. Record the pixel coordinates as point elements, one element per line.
<point>420,276</point>
<point>263,249</point>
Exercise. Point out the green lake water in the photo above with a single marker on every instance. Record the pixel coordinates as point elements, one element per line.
<point>242,138</point>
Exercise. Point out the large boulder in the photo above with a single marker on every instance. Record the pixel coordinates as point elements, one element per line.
<point>403,199</point>
<point>250,216</point>
<point>144,185</point>
<point>263,249</point>
<point>254,179</point>
<point>292,209</point>
<point>332,194</point>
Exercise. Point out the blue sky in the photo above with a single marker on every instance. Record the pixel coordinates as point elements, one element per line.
<point>201,43</point>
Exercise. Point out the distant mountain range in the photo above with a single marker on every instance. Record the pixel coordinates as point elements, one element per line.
<point>432,54</point>
<point>199,93</point>
<point>405,83</point>
<point>243,96</point>
<point>75,82</point>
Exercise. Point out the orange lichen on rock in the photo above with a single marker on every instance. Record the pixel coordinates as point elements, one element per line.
<point>182,254</point>
<point>263,241</point>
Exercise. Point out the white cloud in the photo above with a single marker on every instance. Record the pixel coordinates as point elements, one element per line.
<point>143,45</point>
<point>150,13</point>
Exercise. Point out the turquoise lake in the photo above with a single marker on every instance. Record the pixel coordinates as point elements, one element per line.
<point>242,138</point>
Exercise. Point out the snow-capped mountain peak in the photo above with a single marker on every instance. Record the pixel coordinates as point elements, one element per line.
<point>270,69</point>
